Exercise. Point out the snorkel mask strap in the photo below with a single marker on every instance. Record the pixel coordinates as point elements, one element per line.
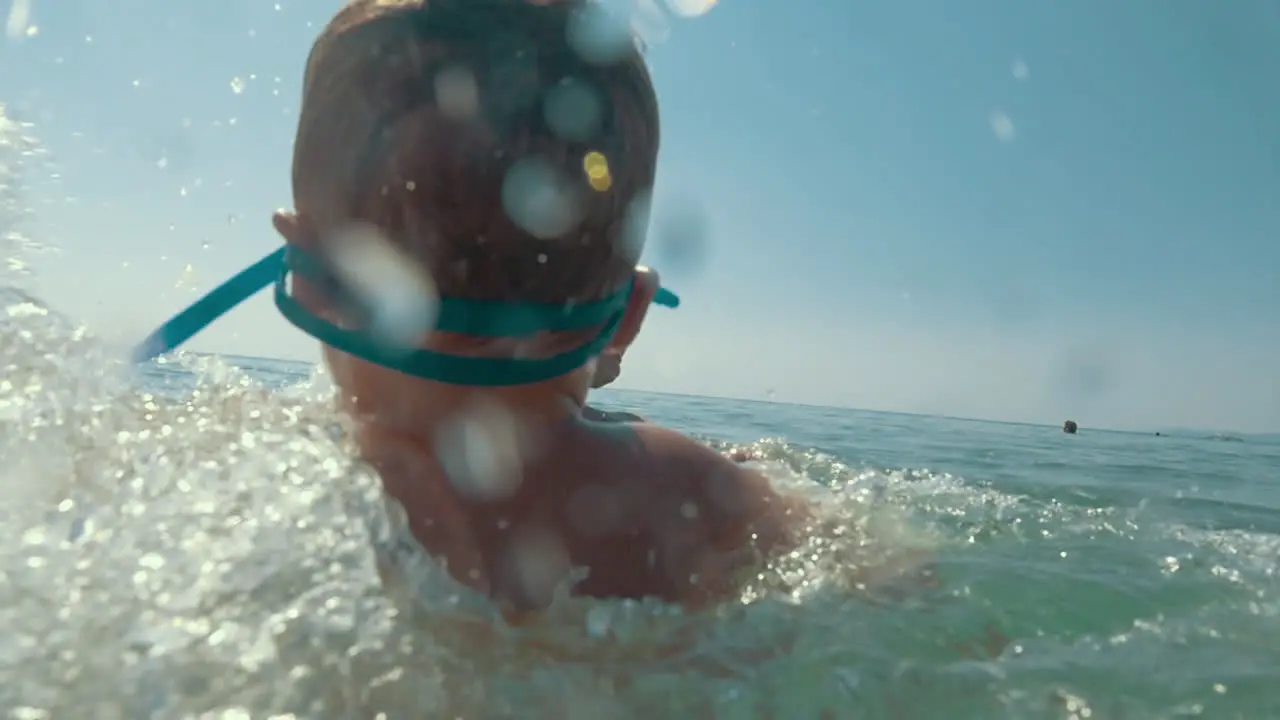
<point>468,317</point>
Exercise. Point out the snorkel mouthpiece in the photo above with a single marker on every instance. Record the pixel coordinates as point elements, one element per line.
<point>485,319</point>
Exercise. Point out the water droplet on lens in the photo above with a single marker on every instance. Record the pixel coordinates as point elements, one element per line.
<point>636,227</point>
<point>649,23</point>
<point>1002,126</point>
<point>600,34</point>
<point>683,232</point>
<point>573,110</point>
<point>400,295</point>
<point>691,8</point>
<point>536,563</point>
<point>537,199</point>
<point>457,94</point>
<point>481,453</point>
<point>19,19</point>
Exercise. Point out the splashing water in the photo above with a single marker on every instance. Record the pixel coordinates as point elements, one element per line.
<point>191,553</point>
<point>18,150</point>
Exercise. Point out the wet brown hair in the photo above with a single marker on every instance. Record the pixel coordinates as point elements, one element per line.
<point>430,118</point>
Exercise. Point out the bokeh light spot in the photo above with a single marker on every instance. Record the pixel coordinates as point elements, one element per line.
<point>596,166</point>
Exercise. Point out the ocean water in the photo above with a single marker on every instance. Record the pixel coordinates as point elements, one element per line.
<point>193,540</point>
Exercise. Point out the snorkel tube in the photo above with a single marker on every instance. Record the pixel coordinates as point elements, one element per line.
<point>467,317</point>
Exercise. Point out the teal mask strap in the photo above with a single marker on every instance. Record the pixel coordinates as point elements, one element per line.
<point>218,302</point>
<point>465,317</point>
<point>481,319</point>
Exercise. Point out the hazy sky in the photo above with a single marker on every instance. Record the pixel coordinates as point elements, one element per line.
<point>998,209</point>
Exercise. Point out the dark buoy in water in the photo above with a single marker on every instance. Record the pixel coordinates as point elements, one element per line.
<point>1069,427</point>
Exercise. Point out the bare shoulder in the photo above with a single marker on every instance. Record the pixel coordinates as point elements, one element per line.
<point>714,516</point>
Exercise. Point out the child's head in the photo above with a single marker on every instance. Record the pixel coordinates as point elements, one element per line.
<point>484,145</point>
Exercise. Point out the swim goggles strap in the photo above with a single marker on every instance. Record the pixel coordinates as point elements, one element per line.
<point>475,318</point>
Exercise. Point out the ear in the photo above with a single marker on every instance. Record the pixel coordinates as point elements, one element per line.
<point>647,284</point>
<point>295,229</point>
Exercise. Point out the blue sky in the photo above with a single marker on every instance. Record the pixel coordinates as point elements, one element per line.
<point>997,209</point>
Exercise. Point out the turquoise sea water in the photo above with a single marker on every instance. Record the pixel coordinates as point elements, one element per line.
<point>1016,571</point>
